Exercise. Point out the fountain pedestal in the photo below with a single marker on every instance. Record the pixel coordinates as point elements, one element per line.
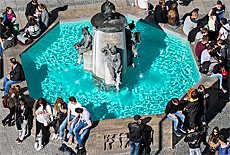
<point>100,40</point>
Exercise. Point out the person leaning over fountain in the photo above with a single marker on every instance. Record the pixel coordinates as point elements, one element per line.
<point>82,127</point>
<point>172,113</point>
<point>71,119</point>
<point>15,76</point>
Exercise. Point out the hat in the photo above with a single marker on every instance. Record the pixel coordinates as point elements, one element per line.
<point>137,117</point>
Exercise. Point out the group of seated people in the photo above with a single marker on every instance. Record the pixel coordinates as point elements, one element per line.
<point>38,21</point>
<point>215,23</point>
<point>193,107</point>
<point>77,117</point>
<point>163,13</point>
<point>188,116</point>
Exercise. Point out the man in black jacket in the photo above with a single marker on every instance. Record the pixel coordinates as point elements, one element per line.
<point>135,135</point>
<point>193,138</point>
<point>31,8</point>
<point>15,76</point>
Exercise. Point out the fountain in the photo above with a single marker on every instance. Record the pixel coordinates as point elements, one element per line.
<point>107,59</point>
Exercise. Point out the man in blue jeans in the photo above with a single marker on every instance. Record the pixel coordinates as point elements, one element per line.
<point>71,119</point>
<point>82,127</point>
<point>135,135</point>
<point>172,113</point>
<point>15,76</point>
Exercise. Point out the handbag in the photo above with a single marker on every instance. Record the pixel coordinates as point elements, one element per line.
<point>5,102</point>
<point>48,119</point>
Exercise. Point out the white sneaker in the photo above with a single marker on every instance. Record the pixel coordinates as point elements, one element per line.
<point>39,148</point>
<point>54,136</point>
<point>36,145</point>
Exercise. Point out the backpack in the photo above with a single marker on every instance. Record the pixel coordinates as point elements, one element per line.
<point>5,102</point>
<point>204,67</point>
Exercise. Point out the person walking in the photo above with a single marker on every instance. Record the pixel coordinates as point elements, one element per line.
<point>21,119</point>
<point>135,134</point>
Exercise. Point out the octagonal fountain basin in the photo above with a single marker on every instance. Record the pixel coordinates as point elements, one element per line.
<point>164,70</point>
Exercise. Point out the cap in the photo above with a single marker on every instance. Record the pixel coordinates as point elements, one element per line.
<point>137,117</point>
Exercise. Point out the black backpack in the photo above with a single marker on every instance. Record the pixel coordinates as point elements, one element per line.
<point>204,67</point>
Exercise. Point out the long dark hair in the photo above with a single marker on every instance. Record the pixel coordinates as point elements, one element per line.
<point>215,137</point>
<point>41,101</point>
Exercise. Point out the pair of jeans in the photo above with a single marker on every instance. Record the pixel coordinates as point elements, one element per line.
<point>0,49</point>
<point>182,117</point>
<point>80,138</point>
<point>64,123</point>
<point>192,151</point>
<point>7,84</point>
<point>22,132</point>
<point>56,124</point>
<point>134,148</point>
<point>218,76</point>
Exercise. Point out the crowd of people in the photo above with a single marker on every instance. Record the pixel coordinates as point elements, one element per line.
<point>73,114</point>
<point>38,19</point>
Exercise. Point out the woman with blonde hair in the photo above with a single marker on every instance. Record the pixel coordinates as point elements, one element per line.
<point>60,108</point>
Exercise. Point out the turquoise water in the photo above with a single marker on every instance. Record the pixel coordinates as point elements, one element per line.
<point>165,69</point>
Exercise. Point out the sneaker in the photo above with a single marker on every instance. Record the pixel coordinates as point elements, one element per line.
<point>177,133</point>
<point>20,141</point>
<point>17,140</point>
<point>192,43</point>
<point>3,123</point>
<point>182,130</point>
<point>2,89</point>
<point>77,147</point>
<point>66,140</point>
<point>54,136</point>
<point>80,147</point>
<point>39,148</point>
<point>59,138</point>
<point>224,91</point>
<point>36,144</point>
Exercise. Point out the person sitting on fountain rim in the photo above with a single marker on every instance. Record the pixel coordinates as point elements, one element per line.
<point>15,76</point>
<point>84,45</point>
<point>172,113</point>
<point>71,119</point>
<point>82,127</point>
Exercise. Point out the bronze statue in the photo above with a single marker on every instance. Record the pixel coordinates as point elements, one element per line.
<point>84,45</point>
<point>132,39</point>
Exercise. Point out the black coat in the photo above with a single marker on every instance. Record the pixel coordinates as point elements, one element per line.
<point>30,9</point>
<point>135,132</point>
<point>160,14</point>
<point>17,73</point>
